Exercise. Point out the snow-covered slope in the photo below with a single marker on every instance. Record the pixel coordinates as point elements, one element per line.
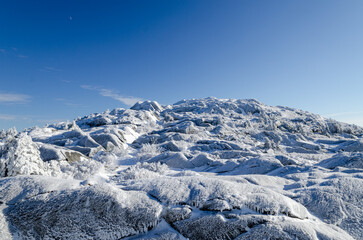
<point>199,169</point>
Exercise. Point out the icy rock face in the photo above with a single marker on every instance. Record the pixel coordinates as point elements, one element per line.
<point>98,211</point>
<point>199,169</point>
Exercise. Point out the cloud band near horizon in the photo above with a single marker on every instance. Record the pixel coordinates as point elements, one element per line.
<point>127,100</point>
<point>14,98</point>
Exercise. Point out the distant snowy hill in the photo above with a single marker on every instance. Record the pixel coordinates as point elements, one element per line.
<point>199,169</point>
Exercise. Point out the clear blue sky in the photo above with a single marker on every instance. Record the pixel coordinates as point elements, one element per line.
<point>63,59</point>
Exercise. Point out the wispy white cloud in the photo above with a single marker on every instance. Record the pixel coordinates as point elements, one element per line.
<point>89,87</point>
<point>68,102</point>
<point>50,69</point>
<point>51,121</point>
<point>127,100</point>
<point>7,117</point>
<point>13,98</point>
<point>12,52</point>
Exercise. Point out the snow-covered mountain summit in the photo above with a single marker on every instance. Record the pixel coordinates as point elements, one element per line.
<point>199,169</point>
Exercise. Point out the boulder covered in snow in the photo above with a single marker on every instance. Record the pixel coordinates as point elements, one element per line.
<point>84,212</point>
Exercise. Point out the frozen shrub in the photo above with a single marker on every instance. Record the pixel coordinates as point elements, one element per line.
<point>107,158</point>
<point>20,156</point>
<point>2,134</point>
<point>148,151</point>
<point>143,170</point>
<point>81,169</point>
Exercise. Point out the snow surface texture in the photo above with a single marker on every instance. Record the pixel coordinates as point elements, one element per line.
<point>199,169</point>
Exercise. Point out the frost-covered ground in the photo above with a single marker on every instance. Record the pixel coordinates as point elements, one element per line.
<point>198,169</point>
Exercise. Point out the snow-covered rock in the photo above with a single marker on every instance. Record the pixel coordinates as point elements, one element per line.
<point>148,105</point>
<point>85,212</point>
<point>199,169</point>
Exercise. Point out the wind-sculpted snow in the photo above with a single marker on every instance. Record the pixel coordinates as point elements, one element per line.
<point>218,195</point>
<point>337,201</point>
<point>199,169</point>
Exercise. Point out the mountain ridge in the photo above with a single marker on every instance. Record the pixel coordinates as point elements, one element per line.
<point>259,171</point>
